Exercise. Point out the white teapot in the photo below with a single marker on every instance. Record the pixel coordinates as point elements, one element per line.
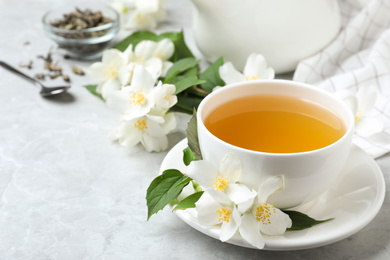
<point>284,31</point>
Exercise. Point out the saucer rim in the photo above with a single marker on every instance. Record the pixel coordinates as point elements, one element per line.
<point>273,243</point>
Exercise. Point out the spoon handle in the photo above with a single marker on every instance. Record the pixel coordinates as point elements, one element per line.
<point>17,72</point>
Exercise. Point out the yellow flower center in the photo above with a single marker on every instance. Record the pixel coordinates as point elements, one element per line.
<point>167,97</point>
<point>252,77</point>
<point>358,115</point>
<point>263,213</point>
<point>137,97</point>
<point>111,72</point>
<point>160,55</point>
<point>224,215</point>
<point>141,124</point>
<point>220,183</point>
<point>139,60</point>
<point>141,19</point>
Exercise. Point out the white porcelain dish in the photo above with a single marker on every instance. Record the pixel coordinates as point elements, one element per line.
<point>353,201</point>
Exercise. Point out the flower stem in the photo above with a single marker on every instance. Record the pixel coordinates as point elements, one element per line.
<point>199,92</point>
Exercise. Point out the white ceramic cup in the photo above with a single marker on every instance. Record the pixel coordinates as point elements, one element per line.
<point>306,174</point>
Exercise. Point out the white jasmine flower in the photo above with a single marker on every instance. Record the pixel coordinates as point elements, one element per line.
<point>210,175</point>
<point>224,179</point>
<point>149,133</point>
<point>141,130</point>
<point>152,64</point>
<point>164,95</point>
<point>366,125</point>
<point>152,55</point>
<point>164,51</point>
<point>108,87</point>
<point>169,125</point>
<point>122,7</point>
<point>255,68</point>
<point>136,100</point>
<point>110,73</point>
<point>362,102</point>
<point>263,217</point>
<point>164,98</point>
<point>218,213</point>
<point>146,14</point>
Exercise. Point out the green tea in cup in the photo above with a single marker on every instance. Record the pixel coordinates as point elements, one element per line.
<point>275,124</point>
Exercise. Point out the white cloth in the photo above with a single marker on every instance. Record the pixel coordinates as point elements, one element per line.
<point>359,56</point>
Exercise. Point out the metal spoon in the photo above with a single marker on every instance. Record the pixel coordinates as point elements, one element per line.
<point>45,91</point>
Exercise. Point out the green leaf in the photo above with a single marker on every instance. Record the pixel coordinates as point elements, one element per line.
<point>184,182</point>
<point>192,137</point>
<point>302,221</point>
<point>180,66</point>
<point>181,49</point>
<point>163,189</point>
<point>187,82</point>
<point>188,73</point>
<point>211,76</point>
<point>189,202</point>
<point>186,104</point>
<point>188,156</point>
<point>135,38</point>
<point>191,72</point>
<point>196,186</point>
<point>92,89</point>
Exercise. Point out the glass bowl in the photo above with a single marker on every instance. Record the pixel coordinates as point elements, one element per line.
<point>77,41</point>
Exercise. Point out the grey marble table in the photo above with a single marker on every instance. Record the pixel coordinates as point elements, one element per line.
<point>68,192</point>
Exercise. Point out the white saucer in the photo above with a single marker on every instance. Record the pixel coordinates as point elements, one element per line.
<point>353,201</point>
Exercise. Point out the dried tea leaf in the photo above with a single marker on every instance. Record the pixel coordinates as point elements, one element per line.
<point>40,76</point>
<point>78,71</point>
<point>80,20</point>
<point>53,67</point>
<point>65,78</point>
<point>28,65</point>
<point>47,58</point>
<point>54,76</point>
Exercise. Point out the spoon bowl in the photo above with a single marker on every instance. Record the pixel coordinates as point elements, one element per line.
<point>44,91</point>
<point>50,91</point>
